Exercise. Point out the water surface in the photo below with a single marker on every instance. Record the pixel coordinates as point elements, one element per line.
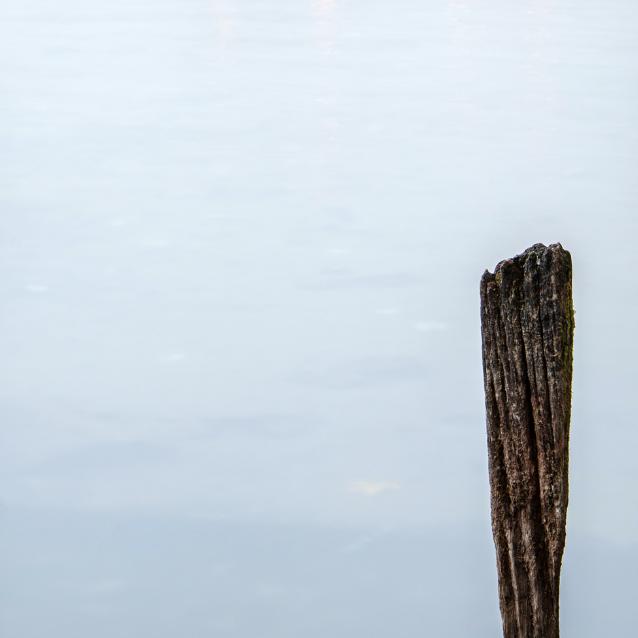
<point>240,244</point>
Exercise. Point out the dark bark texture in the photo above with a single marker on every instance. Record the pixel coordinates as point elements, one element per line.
<point>527,325</point>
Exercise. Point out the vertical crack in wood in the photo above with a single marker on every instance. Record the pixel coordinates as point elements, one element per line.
<point>527,327</point>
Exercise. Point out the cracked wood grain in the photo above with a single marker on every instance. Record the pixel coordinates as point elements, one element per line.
<point>527,325</point>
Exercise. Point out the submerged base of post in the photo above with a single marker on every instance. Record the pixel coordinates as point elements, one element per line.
<point>527,325</point>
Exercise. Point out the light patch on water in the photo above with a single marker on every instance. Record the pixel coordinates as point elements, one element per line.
<point>387,312</point>
<point>173,357</point>
<point>36,288</point>
<point>431,326</point>
<point>372,488</point>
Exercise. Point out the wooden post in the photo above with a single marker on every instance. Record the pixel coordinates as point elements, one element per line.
<point>527,325</point>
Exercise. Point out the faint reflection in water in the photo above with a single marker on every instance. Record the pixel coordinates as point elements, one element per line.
<point>224,20</point>
<point>324,12</point>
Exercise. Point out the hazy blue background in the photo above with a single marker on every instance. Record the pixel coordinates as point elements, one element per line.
<point>240,378</point>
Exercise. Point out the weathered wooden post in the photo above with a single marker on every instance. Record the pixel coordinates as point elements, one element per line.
<point>527,325</point>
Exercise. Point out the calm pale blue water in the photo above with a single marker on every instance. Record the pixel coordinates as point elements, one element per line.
<point>240,245</point>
